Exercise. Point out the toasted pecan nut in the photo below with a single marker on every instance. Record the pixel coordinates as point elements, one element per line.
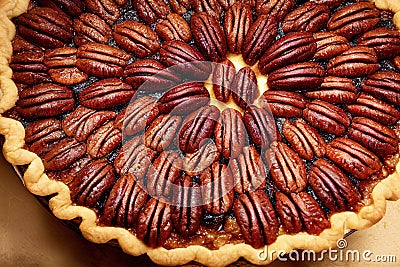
<point>244,88</point>
<point>274,8</point>
<point>211,7</point>
<point>174,27</point>
<point>223,75</point>
<point>180,6</point>
<point>384,85</point>
<point>63,154</point>
<point>90,28</point>
<point>105,9</point>
<point>288,214</point>
<point>195,163</point>
<point>72,7</point>
<point>161,132</point>
<point>28,68</point>
<point>104,140</point>
<point>151,10</point>
<point>385,42</point>
<point>329,45</point>
<point>284,104</point>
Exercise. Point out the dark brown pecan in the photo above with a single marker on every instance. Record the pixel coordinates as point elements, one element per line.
<point>355,62</point>
<point>313,217</point>
<point>45,100</point>
<point>162,174</point>
<point>198,127</point>
<point>244,87</point>
<point>226,4</point>
<point>217,188</point>
<point>105,9</point>
<point>256,218</point>
<point>151,10</point>
<point>28,68</point>
<point>180,6</point>
<point>237,22</point>
<point>92,183</point>
<point>288,214</point>
<point>211,7</point>
<point>71,7</point>
<point>209,36</point>
<point>107,93</point>
<point>223,75</point>
<point>384,85</point>
<point>90,28</point>
<point>82,122</point>
<point>370,107</point>
<point>136,38</point>
<point>153,73</point>
<point>104,140</point>
<point>329,45</point>
<point>386,42</point>
<point>376,137</point>
<point>287,170</point>
<point>330,3</point>
<point>124,203</point>
<point>284,104</point>
<point>327,117</point>
<point>307,76</point>
<point>45,27</point>
<point>309,17</point>
<point>174,27</point>
<point>46,130</point>
<point>292,48</point>
<point>397,62</point>
<point>136,116</point>
<point>194,164</point>
<point>101,60</point>
<point>354,19</point>
<point>353,158</point>
<point>230,133</point>
<point>134,158</point>
<point>19,45</point>
<point>154,224</point>
<point>176,52</point>
<point>62,66</point>
<point>261,127</point>
<point>184,98</point>
<point>274,8</point>
<point>332,186</point>
<point>187,211</point>
<point>69,175</point>
<point>248,170</point>
<point>304,139</point>
<point>259,37</point>
<point>161,132</point>
<point>335,90</point>
<point>63,154</point>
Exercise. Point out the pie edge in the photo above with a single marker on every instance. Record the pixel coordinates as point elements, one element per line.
<point>38,183</point>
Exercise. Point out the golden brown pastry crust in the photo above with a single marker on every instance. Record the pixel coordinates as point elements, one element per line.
<point>38,183</point>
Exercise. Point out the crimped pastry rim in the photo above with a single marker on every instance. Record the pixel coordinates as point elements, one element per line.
<point>38,183</point>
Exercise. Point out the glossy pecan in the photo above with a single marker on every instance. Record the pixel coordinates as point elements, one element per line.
<point>287,170</point>
<point>174,27</point>
<point>385,42</point>
<point>101,60</point>
<point>45,100</point>
<point>248,170</point>
<point>284,104</point>
<point>376,137</point>
<point>353,158</point>
<point>288,214</point>
<point>292,48</point>
<point>384,85</point>
<point>329,45</point>
<point>223,75</point>
<point>217,189</point>
<point>63,154</point>
<point>105,9</point>
<point>230,133</point>
<point>104,140</point>
<point>375,109</point>
<point>198,127</point>
<point>327,117</point>
<point>195,163</point>
<point>46,130</point>
<point>309,17</point>
<point>180,6</point>
<point>90,28</point>
<point>19,45</point>
<point>28,68</point>
<point>354,19</point>
<point>45,27</point>
<point>397,62</point>
<point>237,22</point>
<point>151,10</point>
<point>161,132</point>
<point>244,88</point>
<point>307,76</point>
<point>274,8</point>
<point>305,140</point>
<point>209,36</point>
<point>211,7</point>
<point>71,7</point>
<point>258,38</point>
<point>256,218</point>
<point>107,93</point>
<point>333,188</point>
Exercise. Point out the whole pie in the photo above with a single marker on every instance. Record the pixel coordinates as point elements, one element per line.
<point>205,130</point>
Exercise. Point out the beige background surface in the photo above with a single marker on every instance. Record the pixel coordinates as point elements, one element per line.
<point>31,236</point>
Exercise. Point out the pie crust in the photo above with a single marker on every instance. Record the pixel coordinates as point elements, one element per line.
<point>39,184</point>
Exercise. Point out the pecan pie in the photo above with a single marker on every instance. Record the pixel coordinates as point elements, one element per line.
<point>205,130</point>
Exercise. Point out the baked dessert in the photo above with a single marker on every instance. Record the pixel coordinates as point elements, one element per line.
<point>205,130</point>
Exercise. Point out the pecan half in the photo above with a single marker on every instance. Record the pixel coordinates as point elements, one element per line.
<point>274,8</point>
<point>211,7</point>
<point>244,87</point>
<point>195,163</point>
<point>385,42</point>
<point>46,130</point>
<point>329,45</point>
<point>353,158</point>
<point>180,6</point>
<point>223,75</point>
<point>71,7</point>
<point>284,104</point>
<point>161,132</point>
<point>151,10</point>
<point>28,68</point>
<point>384,85</point>
<point>288,214</point>
<point>105,9</point>
<point>104,140</point>
<point>63,154</point>
<point>174,27</point>
<point>327,117</point>
<point>397,62</point>
<point>90,28</point>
